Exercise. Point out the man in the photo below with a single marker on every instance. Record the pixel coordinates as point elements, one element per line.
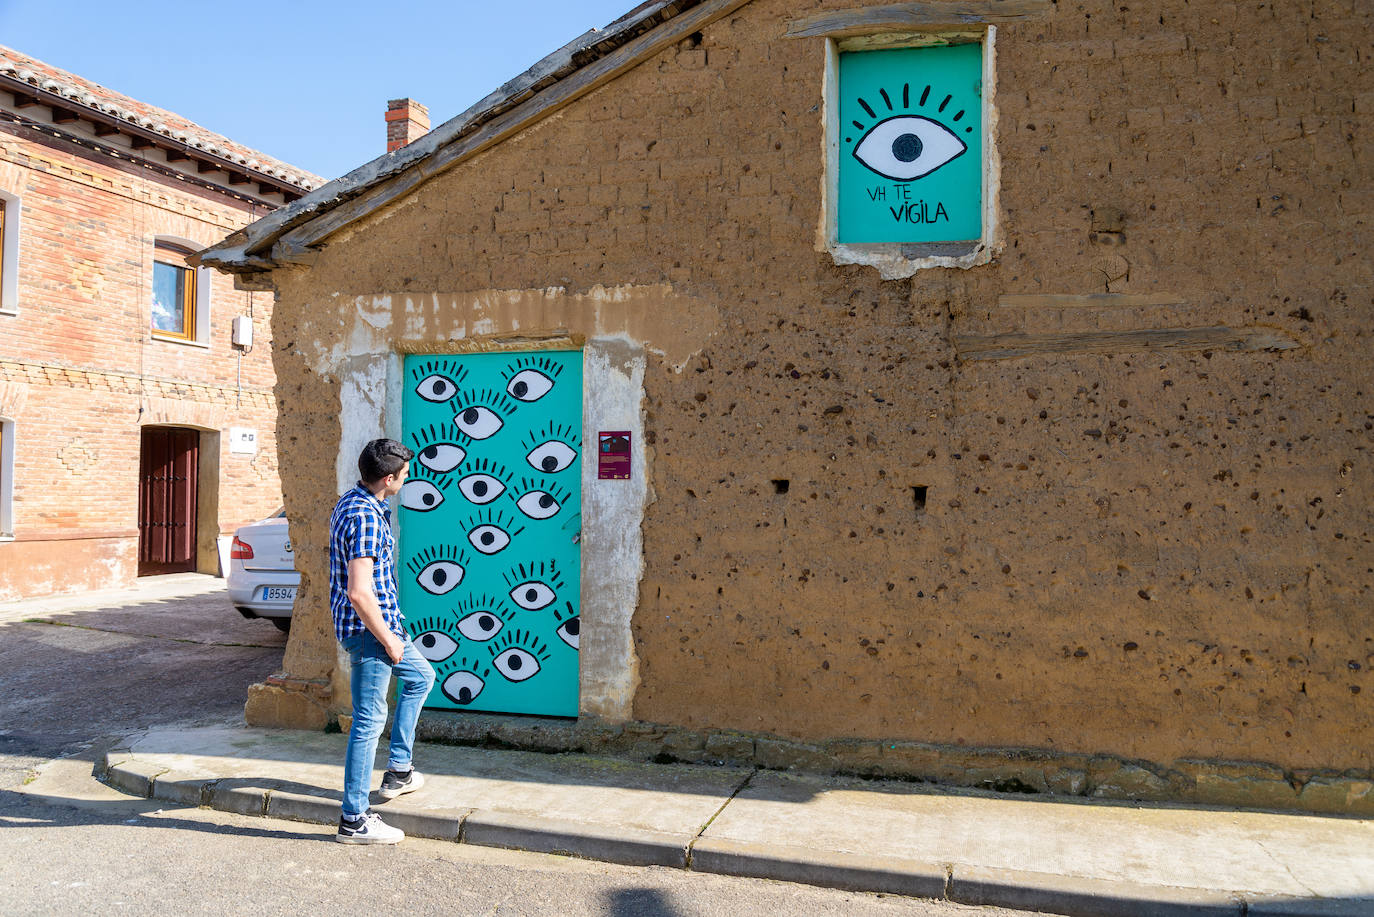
<point>367,622</point>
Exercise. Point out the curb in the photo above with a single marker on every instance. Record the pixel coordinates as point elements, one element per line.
<point>1008,888</point>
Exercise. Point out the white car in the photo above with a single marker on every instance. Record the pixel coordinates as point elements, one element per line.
<point>262,571</point>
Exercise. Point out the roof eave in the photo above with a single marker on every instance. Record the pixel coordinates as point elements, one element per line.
<point>260,248</point>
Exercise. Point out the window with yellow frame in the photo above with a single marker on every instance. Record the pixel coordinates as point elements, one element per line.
<point>174,292</point>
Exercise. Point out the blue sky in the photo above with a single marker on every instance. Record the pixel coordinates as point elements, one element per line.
<point>304,81</point>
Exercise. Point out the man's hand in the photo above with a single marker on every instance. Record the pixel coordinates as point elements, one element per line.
<point>364,600</point>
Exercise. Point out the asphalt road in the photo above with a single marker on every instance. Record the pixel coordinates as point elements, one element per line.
<point>70,845</point>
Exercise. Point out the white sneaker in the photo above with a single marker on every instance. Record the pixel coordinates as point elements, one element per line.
<point>370,829</point>
<point>397,784</point>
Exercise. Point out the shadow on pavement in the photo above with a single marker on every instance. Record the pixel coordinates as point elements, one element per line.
<point>639,902</point>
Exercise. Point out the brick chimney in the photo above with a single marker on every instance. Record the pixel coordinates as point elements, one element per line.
<point>406,121</point>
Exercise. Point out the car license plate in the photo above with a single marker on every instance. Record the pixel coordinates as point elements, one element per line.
<point>278,593</point>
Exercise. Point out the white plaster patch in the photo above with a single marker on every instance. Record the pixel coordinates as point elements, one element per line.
<point>612,537</point>
<point>362,411</point>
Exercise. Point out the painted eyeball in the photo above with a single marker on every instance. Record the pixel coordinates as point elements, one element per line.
<point>462,687</point>
<point>570,631</point>
<point>533,595</point>
<point>435,645</point>
<point>529,385</point>
<point>908,147</point>
<point>538,505</point>
<point>481,488</point>
<point>516,664</point>
<point>442,457</point>
<point>553,456</point>
<point>480,625</point>
<point>420,495</point>
<point>477,421</point>
<point>440,577</point>
<point>488,539</point>
<point>436,388</point>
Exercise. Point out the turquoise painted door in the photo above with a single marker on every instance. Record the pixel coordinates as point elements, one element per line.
<point>489,522</point>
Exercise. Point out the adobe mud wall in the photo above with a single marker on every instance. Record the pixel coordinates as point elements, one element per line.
<point>1106,495</point>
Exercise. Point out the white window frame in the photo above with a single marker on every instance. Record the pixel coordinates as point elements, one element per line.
<point>9,254</point>
<point>899,260</point>
<point>203,276</point>
<point>6,479</point>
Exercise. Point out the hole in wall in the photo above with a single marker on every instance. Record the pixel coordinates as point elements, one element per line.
<point>781,485</point>
<point>918,497</point>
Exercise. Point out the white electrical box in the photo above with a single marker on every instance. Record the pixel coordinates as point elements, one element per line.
<point>243,441</point>
<point>241,334</point>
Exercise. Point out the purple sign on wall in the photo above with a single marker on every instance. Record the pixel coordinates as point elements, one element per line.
<point>613,455</point>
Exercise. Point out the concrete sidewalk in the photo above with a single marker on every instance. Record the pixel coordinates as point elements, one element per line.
<point>145,590</point>
<point>1034,853</point>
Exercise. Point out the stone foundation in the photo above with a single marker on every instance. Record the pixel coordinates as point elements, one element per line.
<point>1233,784</point>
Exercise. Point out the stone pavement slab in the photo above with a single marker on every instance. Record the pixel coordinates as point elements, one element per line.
<point>570,795</point>
<point>1078,858</point>
<point>1235,851</point>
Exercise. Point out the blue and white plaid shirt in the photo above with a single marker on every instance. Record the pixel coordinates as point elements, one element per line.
<point>361,527</point>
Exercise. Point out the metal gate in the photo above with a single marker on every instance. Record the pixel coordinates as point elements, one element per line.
<point>490,521</point>
<point>167,486</point>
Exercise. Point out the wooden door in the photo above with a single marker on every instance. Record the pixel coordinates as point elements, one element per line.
<point>490,527</point>
<point>167,488</point>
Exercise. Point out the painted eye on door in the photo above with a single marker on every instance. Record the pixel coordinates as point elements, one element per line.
<point>478,422</point>
<point>480,625</point>
<point>462,687</point>
<point>420,495</point>
<point>516,664</point>
<point>538,504</point>
<point>436,646</point>
<point>529,385</point>
<point>570,631</point>
<point>551,457</point>
<point>440,577</point>
<point>908,147</point>
<point>481,488</point>
<point>436,388</point>
<point>442,457</point>
<point>489,539</point>
<point>533,595</point>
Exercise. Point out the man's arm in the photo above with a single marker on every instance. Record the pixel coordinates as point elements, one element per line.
<point>364,599</point>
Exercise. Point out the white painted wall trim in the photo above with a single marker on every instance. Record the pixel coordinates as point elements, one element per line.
<point>7,433</point>
<point>9,253</point>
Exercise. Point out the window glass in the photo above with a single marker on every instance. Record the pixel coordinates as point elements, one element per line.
<point>169,298</point>
<point>174,292</point>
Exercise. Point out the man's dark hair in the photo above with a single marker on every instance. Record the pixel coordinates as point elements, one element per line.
<point>380,458</point>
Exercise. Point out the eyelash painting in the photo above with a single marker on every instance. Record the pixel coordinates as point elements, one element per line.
<point>439,447</point>
<point>910,151</point>
<point>530,378</point>
<point>551,449</point>
<point>908,146</point>
<point>437,380</point>
<point>518,655</point>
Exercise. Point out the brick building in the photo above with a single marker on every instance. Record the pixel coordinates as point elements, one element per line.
<point>119,383</point>
<point>977,392</point>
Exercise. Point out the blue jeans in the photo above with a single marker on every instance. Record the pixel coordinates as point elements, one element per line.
<point>372,671</point>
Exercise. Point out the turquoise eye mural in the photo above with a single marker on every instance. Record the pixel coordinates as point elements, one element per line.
<point>489,528</point>
<point>911,145</point>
